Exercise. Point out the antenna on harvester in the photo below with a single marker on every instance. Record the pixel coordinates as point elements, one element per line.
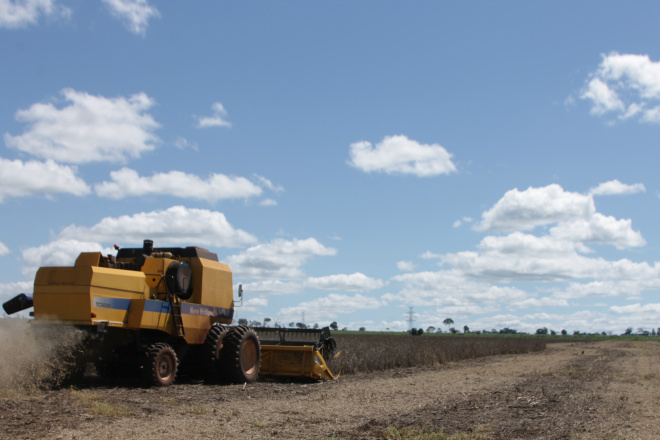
<point>411,317</point>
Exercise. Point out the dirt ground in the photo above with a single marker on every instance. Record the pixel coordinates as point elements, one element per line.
<point>604,390</point>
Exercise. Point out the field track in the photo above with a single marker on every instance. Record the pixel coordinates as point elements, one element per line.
<point>602,390</point>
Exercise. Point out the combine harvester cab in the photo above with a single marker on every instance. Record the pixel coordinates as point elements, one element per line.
<point>152,310</point>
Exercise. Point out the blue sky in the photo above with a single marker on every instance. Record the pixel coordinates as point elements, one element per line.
<point>492,163</point>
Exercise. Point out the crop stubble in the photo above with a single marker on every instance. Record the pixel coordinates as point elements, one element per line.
<point>605,390</point>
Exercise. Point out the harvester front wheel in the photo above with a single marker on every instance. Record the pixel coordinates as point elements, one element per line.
<point>241,355</point>
<point>160,365</point>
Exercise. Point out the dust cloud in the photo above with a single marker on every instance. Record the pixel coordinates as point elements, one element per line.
<point>35,357</point>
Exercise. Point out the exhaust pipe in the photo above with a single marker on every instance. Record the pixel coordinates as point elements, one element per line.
<point>20,302</point>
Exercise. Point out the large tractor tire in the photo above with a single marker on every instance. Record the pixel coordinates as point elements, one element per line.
<point>212,352</point>
<point>160,365</point>
<point>240,358</point>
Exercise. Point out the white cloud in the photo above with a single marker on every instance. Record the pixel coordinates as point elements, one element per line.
<point>459,222</point>
<point>637,309</point>
<point>90,129</point>
<point>637,71</point>
<point>175,225</point>
<point>405,266</point>
<point>272,287</point>
<point>183,144</point>
<point>356,282</point>
<point>615,187</point>
<point>134,13</point>
<point>126,182</point>
<point>608,288</point>
<point>268,202</point>
<point>62,252</point>
<point>599,229</point>
<point>330,307</point>
<point>280,259</point>
<point>524,257</point>
<point>18,179</point>
<point>400,155</point>
<point>626,84</point>
<point>22,13</point>
<point>4,250</point>
<point>217,120</point>
<point>253,304</point>
<point>604,99</point>
<point>268,184</point>
<point>575,215</point>
<point>523,210</point>
<point>546,301</point>
<point>451,288</point>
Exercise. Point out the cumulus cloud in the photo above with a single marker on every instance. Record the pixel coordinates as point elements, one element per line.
<point>61,252</point>
<point>637,309</point>
<point>183,144</point>
<point>134,13</point>
<point>280,259</point>
<point>330,307</point>
<point>253,304</point>
<point>405,266</point>
<point>23,13</point>
<point>599,229</point>
<point>4,250</point>
<point>604,99</point>
<point>525,257</point>
<point>615,187</point>
<point>89,129</point>
<point>272,287</point>
<point>608,288</point>
<point>268,184</point>
<point>177,225</point>
<point>356,282</point>
<point>126,182</point>
<point>216,120</point>
<point>459,222</point>
<point>451,288</point>
<point>627,85</point>
<point>524,210</point>
<point>18,179</point>
<point>400,155</point>
<point>481,281</point>
<point>574,214</point>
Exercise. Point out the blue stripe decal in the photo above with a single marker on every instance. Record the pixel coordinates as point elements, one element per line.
<point>111,303</point>
<point>151,305</point>
<point>188,309</point>
<point>156,306</point>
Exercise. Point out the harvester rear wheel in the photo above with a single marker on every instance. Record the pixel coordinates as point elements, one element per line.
<point>241,355</point>
<point>212,352</point>
<point>160,365</point>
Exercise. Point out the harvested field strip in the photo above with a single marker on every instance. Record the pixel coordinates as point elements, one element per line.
<point>368,353</point>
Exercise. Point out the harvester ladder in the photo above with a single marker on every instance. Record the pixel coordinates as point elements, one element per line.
<point>175,307</point>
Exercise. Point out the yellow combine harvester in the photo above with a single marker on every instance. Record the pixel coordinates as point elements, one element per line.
<point>159,309</point>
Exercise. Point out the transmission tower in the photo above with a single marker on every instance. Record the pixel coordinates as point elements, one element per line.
<point>411,317</point>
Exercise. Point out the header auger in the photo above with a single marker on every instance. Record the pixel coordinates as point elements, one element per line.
<point>153,311</point>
